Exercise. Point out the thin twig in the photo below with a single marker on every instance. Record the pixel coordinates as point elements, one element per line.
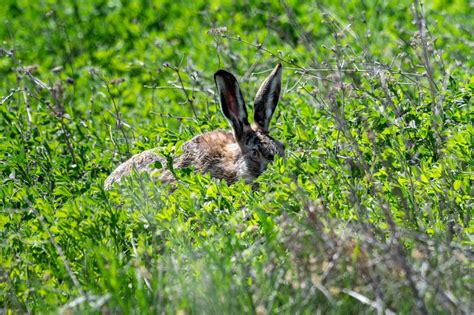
<point>189,99</point>
<point>118,117</point>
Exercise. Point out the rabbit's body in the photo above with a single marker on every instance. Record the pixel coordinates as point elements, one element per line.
<point>225,155</point>
<point>141,162</point>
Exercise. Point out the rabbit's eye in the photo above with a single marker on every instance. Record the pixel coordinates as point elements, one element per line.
<point>254,153</point>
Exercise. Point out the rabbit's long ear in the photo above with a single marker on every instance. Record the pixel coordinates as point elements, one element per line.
<point>267,99</point>
<point>232,102</point>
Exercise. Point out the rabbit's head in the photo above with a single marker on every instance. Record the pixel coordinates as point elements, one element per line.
<point>257,147</point>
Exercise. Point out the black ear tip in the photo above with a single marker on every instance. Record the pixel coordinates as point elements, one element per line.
<point>223,73</point>
<point>220,72</point>
<point>277,68</point>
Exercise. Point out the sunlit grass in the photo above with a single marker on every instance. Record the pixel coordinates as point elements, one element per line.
<point>371,210</point>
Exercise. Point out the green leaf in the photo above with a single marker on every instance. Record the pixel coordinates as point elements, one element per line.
<point>457,184</point>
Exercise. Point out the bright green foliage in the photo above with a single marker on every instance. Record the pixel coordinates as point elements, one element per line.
<point>371,210</point>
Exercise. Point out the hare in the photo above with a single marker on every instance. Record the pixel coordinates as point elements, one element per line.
<point>243,153</point>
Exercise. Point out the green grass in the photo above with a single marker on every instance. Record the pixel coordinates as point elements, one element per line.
<point>370,211</point>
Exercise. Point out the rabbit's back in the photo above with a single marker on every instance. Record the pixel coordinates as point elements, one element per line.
<point>213,152</point>
<point>141,162</point>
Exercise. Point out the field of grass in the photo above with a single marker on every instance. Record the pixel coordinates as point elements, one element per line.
<point>370,211</point>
